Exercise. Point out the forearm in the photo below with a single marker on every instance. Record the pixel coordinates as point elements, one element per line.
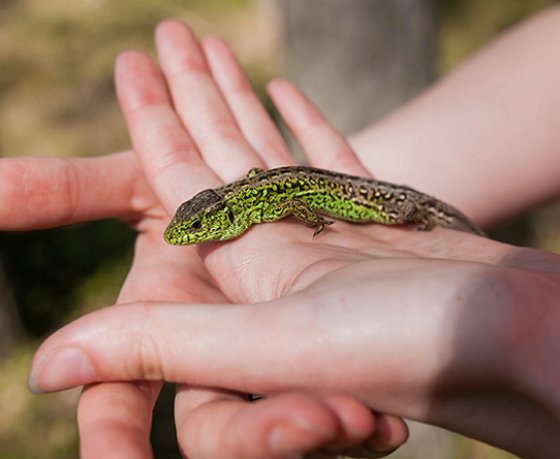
<point>487,137</point>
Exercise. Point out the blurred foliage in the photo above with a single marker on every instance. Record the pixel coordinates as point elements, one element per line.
<point>57,98</point>
<point>57,66</point>
<point>34,427</point>
<point>84,255</point>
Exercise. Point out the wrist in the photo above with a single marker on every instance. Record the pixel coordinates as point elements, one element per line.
<point>517,401</point>
<point>536,343</point>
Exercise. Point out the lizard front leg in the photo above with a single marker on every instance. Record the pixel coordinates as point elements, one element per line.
<point>303,212</point>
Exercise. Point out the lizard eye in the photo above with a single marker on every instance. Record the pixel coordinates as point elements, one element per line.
<point>196,224</point>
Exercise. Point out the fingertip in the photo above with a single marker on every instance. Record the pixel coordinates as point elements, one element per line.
<point>132,65</point>
<point>65,368</point>
<point>130,57</point>
<point>178,49</point>
<point>278,85</point>
<point>217,51</point>
<point>357,420</point>
<point>138,81</point>
<point>292,101</point>
<point>390,433</point>
<point>297,110</point>
<point>33,384</point>
<point>214,42</point>
<point>170,26</point>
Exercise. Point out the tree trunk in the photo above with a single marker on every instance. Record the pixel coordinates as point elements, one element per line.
<point>359,59</point>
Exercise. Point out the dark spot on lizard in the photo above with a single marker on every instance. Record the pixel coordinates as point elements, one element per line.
<point>197,203</point>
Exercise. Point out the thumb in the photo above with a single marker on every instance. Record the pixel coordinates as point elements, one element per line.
<point>194,344</point>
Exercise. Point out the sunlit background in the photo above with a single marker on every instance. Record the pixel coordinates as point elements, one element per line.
<point>57,98</point>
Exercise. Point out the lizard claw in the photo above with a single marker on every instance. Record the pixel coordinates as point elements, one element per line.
<point>319,227</point>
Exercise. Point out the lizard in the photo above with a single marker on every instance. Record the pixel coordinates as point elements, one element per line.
<point>309,194</point>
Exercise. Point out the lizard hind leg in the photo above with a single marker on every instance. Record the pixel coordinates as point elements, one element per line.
<point>409,213</point>
<point>303,212</point>
<point>425,225</point>
<point>254,171</point>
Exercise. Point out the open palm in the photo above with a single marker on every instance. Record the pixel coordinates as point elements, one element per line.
<point>115,418</point>
<point>404,320</point>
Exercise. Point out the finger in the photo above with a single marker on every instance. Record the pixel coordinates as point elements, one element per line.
<point>363,433</point>
<point>244,430</point>
<point>125,343</point>
<point>200,104</point>
<point>322,144</point>
<point>114,420</point>
<point>356,421</point>
<point>250,114</point>
<point>389,434</point>
<point>278,427</point>
<point>169,157</point>
<point>46,192</point>
<point>150,342</point>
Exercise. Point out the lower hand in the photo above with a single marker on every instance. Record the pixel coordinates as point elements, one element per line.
<point>440,341</point>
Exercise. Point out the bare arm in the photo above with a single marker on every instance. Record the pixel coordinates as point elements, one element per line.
<point>487,137</point>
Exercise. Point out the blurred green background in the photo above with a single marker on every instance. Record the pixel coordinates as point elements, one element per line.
<point>57,98</point>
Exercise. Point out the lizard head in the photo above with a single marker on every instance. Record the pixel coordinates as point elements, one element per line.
<point>205,217</point>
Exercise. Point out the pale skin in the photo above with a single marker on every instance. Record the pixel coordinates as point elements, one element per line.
<point>493,125</point>
<point>455,287</point>
<point>114,418</point>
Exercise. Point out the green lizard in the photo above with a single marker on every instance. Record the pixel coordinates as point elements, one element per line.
<point>309,194</point>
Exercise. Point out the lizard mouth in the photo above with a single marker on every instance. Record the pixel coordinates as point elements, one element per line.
<point>173,236</point>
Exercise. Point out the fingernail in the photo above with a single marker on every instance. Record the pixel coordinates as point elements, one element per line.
<point>63,369</point>
<point>383,440</point>
<point>292,441</point>
<point>379,447</point>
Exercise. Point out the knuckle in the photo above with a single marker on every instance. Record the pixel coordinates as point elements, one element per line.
<point>146,362</point>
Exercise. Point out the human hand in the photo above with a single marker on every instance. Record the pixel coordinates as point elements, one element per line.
<point>114,418</point>
<point>449,355</point>
<point>323,339</point>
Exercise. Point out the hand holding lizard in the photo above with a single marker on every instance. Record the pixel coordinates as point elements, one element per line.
<point>403,320</point>
<point>114,418</point>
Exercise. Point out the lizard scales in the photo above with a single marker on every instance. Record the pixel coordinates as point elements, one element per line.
<point>309,194</point>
